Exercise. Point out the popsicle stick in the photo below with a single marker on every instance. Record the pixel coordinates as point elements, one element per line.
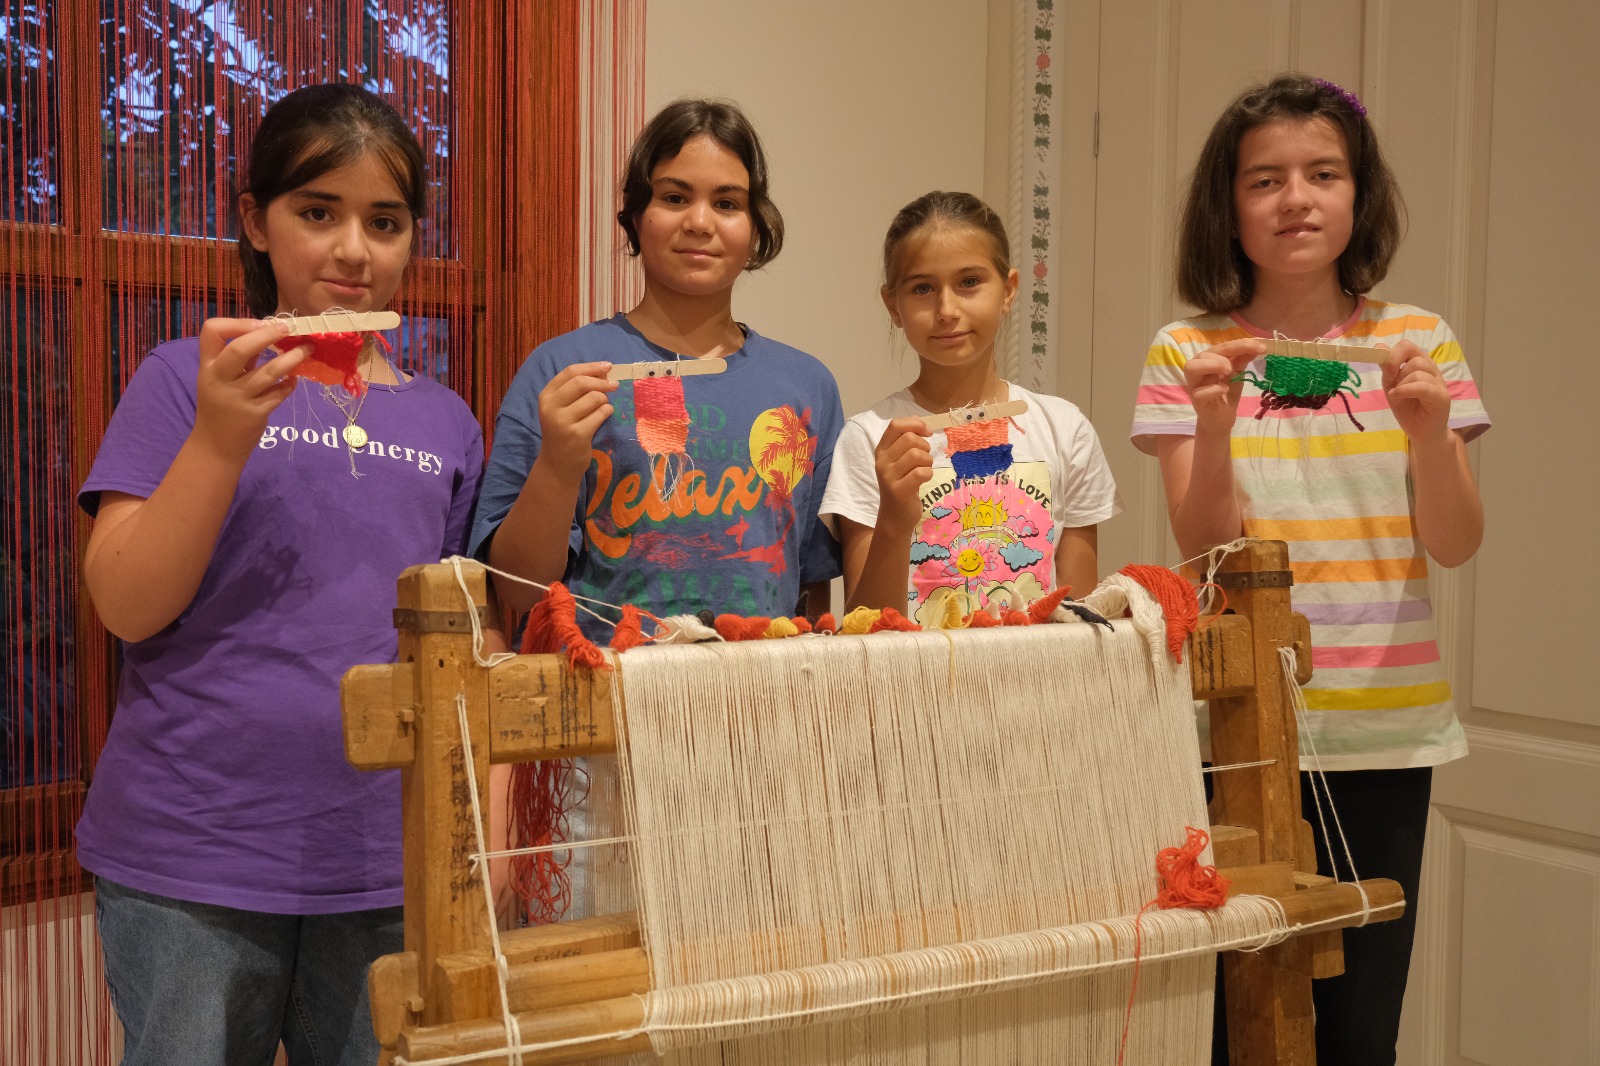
<point>342,322</point>
<point>680,368</point>
<point>1330,350</point>
<point>982,413</point>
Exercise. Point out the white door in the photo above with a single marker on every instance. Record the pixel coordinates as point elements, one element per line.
<point>1490,115</point>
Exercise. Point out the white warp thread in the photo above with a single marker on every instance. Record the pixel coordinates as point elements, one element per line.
<point>825,829</point>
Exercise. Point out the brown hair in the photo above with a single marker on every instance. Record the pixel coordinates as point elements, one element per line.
<point>308,133</point>
<point>936,211</point>
<point>664,137</point>
<point>1213,272</point>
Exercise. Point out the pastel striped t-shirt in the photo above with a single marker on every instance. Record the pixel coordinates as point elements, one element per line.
<point>1341,497</point>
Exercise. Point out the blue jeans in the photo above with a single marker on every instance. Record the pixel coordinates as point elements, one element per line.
<point>200,985</point>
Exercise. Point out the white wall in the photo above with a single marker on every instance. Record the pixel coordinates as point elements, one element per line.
<point>862,107</point>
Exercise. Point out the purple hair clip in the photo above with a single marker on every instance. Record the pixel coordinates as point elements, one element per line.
<point>1349,97</point>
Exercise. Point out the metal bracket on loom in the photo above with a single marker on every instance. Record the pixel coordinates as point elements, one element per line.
<point>964,416</point>
<point>1331,351</point>
<point>681,368</point>
<point>341,322</point>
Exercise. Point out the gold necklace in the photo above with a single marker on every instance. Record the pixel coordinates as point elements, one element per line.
<point>355,438</point>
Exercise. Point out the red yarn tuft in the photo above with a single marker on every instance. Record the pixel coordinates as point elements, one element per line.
<point>1039,610</point>
<point>1013,617</point>
<point>895,622</point>
<point>1180,882</point>
<point>1177,600</point>
<point>541,795</point>
<point>801,623</point>
<point>1183,881</point>
<point>553,627</point>
<point>732,627</point>
<point>826,623</point>
<point>982,620</point>
<point>334,360</point>
<point>630,631</point>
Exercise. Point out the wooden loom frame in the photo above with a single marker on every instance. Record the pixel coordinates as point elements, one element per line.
<point>576,979</point>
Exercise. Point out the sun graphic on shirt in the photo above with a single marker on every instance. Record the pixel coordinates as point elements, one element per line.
<point>975,560</point>
<point>982,513</point>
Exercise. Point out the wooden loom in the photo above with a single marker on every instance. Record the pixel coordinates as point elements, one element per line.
<point>577,979</point>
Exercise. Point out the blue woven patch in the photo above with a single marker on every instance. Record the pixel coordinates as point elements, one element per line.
<point>981,462</point>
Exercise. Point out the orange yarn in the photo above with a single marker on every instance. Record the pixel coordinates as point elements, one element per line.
<point>826,623</point>
<point>734,627</point>
<point>1180,882</point>
<point>895,622</point>
<point>541,794</point>
<point>630,631</point>
<point>982,620</point>
<point>553,627</point>
<point>1013,617</point>
<point>1039,610</point>
<point>1177,600</point>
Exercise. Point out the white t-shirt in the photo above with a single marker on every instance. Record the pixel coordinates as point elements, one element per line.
<point>993,538</point>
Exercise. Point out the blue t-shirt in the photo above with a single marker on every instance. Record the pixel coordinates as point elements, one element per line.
<point>224,779</point>
<point>739,532</point>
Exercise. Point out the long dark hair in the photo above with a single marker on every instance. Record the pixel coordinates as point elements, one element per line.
<point>1212,270</point>
<point>305,135</point>
<point>663,137</point>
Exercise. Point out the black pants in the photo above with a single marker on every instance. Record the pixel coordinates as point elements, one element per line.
<point>1385,815</point>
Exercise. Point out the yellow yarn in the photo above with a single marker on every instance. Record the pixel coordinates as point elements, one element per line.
<point>860,621</point>
<point>780,627</point>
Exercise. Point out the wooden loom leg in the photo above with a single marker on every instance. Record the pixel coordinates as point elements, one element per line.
<point>444,912</point>
<point>1270,1018</point>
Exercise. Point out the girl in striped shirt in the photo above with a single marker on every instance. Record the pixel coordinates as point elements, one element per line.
<point>1291,218</point>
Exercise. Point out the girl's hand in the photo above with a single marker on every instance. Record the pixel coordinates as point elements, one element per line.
<point>1417,394</point>
<point>1208,378</point>
<point>236,389</point>
<point>571,407</point>
<point>904,463</point>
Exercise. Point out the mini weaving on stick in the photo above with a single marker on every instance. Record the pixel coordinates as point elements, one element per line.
<point>1308,374</point>
<point>662,421</point>
<point>661,417</point>
<point>978,439</point>
<point>335,357</point>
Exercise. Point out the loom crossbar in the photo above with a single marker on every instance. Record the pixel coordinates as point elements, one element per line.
<point>579,982</point>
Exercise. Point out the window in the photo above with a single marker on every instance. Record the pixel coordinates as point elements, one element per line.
<point>121,125</point>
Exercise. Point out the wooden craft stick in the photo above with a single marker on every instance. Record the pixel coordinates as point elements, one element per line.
<point>342,322</point>
<point>982,413</point>
<point>1330,350</point>
<point>680,368</point>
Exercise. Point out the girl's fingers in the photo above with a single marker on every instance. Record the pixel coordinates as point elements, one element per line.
<point>231,345</point>
<point>579,379</point>
<point>275,369</point>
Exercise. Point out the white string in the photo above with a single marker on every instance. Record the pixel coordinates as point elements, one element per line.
<point>1297,700</point>
<point>1238,766</point>
<point>502,969</point>
<point>579,601</point>
<point>565,845</point>
<point>1213,558</point>
<point>498,657</point>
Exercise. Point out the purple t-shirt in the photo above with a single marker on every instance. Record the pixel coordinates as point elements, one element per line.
<point>223,779</point>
